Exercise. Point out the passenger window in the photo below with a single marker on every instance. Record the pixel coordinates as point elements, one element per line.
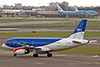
<point>59,42</point>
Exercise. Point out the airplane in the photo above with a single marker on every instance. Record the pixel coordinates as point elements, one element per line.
<point>89,11</point>
<point>25,45</point>
<point>92,12</point>
<point>61,11</point>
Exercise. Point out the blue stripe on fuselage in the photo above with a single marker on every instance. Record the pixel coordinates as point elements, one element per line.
<point>36,42</point>
<point>73,12</point>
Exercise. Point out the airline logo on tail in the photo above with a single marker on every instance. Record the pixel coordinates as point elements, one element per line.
<point>79,29</point>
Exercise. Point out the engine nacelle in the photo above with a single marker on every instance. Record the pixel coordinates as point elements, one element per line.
<point>21,51</point>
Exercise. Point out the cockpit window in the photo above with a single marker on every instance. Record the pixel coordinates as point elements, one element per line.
<point>7,41</point>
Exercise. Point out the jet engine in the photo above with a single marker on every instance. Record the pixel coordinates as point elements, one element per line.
<point>21,51</point>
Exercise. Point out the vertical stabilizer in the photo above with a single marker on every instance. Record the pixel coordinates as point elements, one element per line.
<point>79,31</point>
<point>76,9</point>
<point>59,8</point>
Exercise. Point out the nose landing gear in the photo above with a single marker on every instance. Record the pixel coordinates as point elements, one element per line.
<point>35,55</point>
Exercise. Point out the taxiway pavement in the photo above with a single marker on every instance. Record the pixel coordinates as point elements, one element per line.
<point>7,60</point>
<point>43,22</point>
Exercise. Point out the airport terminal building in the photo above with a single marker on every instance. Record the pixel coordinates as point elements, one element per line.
<point>43,11</point>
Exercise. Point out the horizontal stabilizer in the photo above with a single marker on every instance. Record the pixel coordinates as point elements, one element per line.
<point>76,41</point>
<point>93,41</point>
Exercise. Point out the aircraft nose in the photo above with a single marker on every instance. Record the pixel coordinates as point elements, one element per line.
<point>96,13</point>
<point>6,47</point>
<point>3,45</point>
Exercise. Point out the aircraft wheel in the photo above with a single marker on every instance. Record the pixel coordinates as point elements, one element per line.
<point>35,55</point>
<point>49,55</point>
<point>15,54</point>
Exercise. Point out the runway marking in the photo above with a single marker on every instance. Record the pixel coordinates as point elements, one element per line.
<point>72,63</point>
<point>11,59</point>
<point>95,56</point>
<point>60,55</point>
<point>38,63</point>
<point>87,63</point>
<point>98,63</point>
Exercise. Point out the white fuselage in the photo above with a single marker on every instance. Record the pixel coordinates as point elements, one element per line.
<point>65,43</point>
<point>62,44</point>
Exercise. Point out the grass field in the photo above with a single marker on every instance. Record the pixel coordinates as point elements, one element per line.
<point>14,20</point>
<point>89,23</point>
<point>71,28</point>
<point>81,51</point>
<point>7,20</point>
<point>49,34</point>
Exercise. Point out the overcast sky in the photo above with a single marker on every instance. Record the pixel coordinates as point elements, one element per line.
<point>46,2</point>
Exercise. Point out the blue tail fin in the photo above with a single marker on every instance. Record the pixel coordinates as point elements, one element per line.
<point>79,31</point>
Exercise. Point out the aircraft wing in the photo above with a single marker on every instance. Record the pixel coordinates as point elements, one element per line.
<point>27,46</point>
<point>36,48</point>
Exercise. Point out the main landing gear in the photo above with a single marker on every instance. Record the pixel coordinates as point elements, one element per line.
<point>49,55</point>
<point>35,55</point>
